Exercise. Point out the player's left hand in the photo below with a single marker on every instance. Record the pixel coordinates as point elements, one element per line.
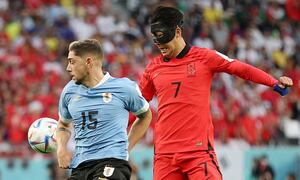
<point>285,82</point>
<point>64,157</point>
<point>282,85</point>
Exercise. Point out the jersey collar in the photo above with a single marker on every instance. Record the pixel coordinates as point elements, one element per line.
<point>104,79</point>
<point>181,55</point>
<point>184,51</point>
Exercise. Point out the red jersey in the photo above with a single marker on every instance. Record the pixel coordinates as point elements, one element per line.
<point>182,86</point>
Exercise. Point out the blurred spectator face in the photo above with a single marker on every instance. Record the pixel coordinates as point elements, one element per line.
<point>291,177</point>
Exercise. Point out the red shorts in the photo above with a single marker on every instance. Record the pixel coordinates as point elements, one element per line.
<point>200,165</point>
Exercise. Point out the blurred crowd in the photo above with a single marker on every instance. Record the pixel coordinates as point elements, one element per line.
<point>35,34</point>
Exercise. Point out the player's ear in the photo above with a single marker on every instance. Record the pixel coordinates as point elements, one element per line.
<point>178,31</point>
<point>88,61</point>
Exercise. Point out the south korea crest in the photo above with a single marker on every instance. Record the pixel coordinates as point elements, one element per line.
<point>191,69</point>
<point>107,97</point>
<point>108,171</point>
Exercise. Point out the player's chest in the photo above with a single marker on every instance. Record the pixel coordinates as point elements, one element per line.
<point>96,104</point>
<point>172,76</point>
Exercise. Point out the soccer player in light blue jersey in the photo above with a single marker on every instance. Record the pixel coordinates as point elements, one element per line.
<point>97,106</point>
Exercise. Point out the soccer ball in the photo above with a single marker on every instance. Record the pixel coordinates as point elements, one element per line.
<point>41,135</point>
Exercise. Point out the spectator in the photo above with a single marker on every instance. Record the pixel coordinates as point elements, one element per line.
<point>262,170</point>
<point>35,34</point>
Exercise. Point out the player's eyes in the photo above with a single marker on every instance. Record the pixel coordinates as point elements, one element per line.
<point>71,62</point>
<point>159,35</point>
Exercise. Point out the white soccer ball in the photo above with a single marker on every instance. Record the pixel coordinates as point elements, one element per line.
<point>41,135</point>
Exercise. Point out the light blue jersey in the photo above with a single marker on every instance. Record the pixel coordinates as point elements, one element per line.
<point>100,116</point>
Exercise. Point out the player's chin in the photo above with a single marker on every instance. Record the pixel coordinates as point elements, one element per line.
<point>72,77</point>
<point>165,54</point>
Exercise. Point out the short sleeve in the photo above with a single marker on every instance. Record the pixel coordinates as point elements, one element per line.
<point>64,113</point>
<point>136,103</point>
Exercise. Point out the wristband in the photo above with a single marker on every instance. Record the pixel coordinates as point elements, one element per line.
<point>281,91</point>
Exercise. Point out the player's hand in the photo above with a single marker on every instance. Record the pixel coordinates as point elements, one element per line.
<point>282,85</point>
<point>285,82</point>
<point>64,158</point>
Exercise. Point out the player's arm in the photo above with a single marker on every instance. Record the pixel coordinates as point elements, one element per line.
<point>63,134</point>
<point>139,128</point>
<point>221,63</point>
<point>146,85</point>
<point>256,75</point>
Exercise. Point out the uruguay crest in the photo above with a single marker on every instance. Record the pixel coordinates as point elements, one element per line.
<point>107,97</point>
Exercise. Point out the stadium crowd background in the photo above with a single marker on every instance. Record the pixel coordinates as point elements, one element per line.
<point>34,38</point>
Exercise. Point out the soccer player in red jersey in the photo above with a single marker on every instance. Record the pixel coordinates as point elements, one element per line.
<point>181,78</point>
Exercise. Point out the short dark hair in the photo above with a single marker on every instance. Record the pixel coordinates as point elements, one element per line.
<point>88,46</point>
<point>169,16</point>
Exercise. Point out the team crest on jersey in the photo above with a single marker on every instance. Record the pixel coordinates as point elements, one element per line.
<point>191,69</point>
<point>108,171</point>
<point>107,97</point>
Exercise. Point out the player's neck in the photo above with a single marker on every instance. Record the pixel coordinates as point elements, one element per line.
<point>179,46</point>
<point>95,78</point>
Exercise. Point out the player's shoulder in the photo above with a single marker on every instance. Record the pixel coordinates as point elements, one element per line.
<point>202,54</point>
<point>69,89</point>
<point>154,61</point>
<point>195,50</point>
<point>70,86</point>
<point>122,82</point>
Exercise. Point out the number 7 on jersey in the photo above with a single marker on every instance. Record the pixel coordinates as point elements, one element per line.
<point>178,83</point>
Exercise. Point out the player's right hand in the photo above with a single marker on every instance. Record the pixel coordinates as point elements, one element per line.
<point>64,158</point>
<point>285,82</point>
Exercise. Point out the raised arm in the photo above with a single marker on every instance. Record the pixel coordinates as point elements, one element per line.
<point>220,63</point>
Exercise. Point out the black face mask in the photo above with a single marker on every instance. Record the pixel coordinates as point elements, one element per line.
<point>167,33</point>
